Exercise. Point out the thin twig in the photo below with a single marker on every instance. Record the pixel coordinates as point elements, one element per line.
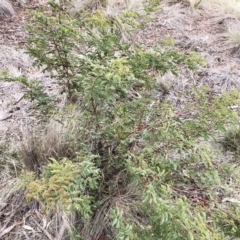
<point>7,230</point>
<point>43,230</point>
<point>13,213</point>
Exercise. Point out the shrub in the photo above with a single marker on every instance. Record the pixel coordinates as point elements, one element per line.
<point>67,185</point>
<point>141,171</point>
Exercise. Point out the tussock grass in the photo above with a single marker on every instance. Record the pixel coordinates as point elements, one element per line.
<point>110,7</point>
<point>176,20</point>
<point>8,185</point>
<point>193,3</point>
<point>6,8</point>
<point>231,7</point>
<point>55,141</point>
<point>15,61</point>
<point>223,10</point>
<point>79,5</point>
<point>225,15</point>
<point>62,225</point>
<point>231,38</point>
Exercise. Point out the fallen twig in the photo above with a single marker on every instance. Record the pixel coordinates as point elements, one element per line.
<point>43,230</point>
<point>7,230</point>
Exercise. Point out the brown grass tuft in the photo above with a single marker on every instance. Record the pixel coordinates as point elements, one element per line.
<point>231,38</point>
<point>6,8</point>
<point>55,140</point>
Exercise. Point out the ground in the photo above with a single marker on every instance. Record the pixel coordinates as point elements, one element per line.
<point>200,30</point>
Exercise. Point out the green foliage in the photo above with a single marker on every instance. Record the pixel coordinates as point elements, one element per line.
<point>152,5</point>
<point>169,41</point>
<point>34,91</point>
<point>77,50</point>
<point>181,220</point>
<point>66,185</point>
<point>130,138</point>
<point>231,141</point>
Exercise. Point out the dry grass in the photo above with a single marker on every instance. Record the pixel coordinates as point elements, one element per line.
<point>26,220</point>
<point>195,3</point>
<point>15,61</point>
<point>128,204</point>
<point>18,63</point>
<point>192,3</point>
<point>110,7</point>
<point>231,38</point>
<point>79,5</point>
<point>229,7</point>
<point>55,140</point>
<point>223,10</point>
<point>6,8</point>
<point>176,20</point>
<point>22,220</point>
